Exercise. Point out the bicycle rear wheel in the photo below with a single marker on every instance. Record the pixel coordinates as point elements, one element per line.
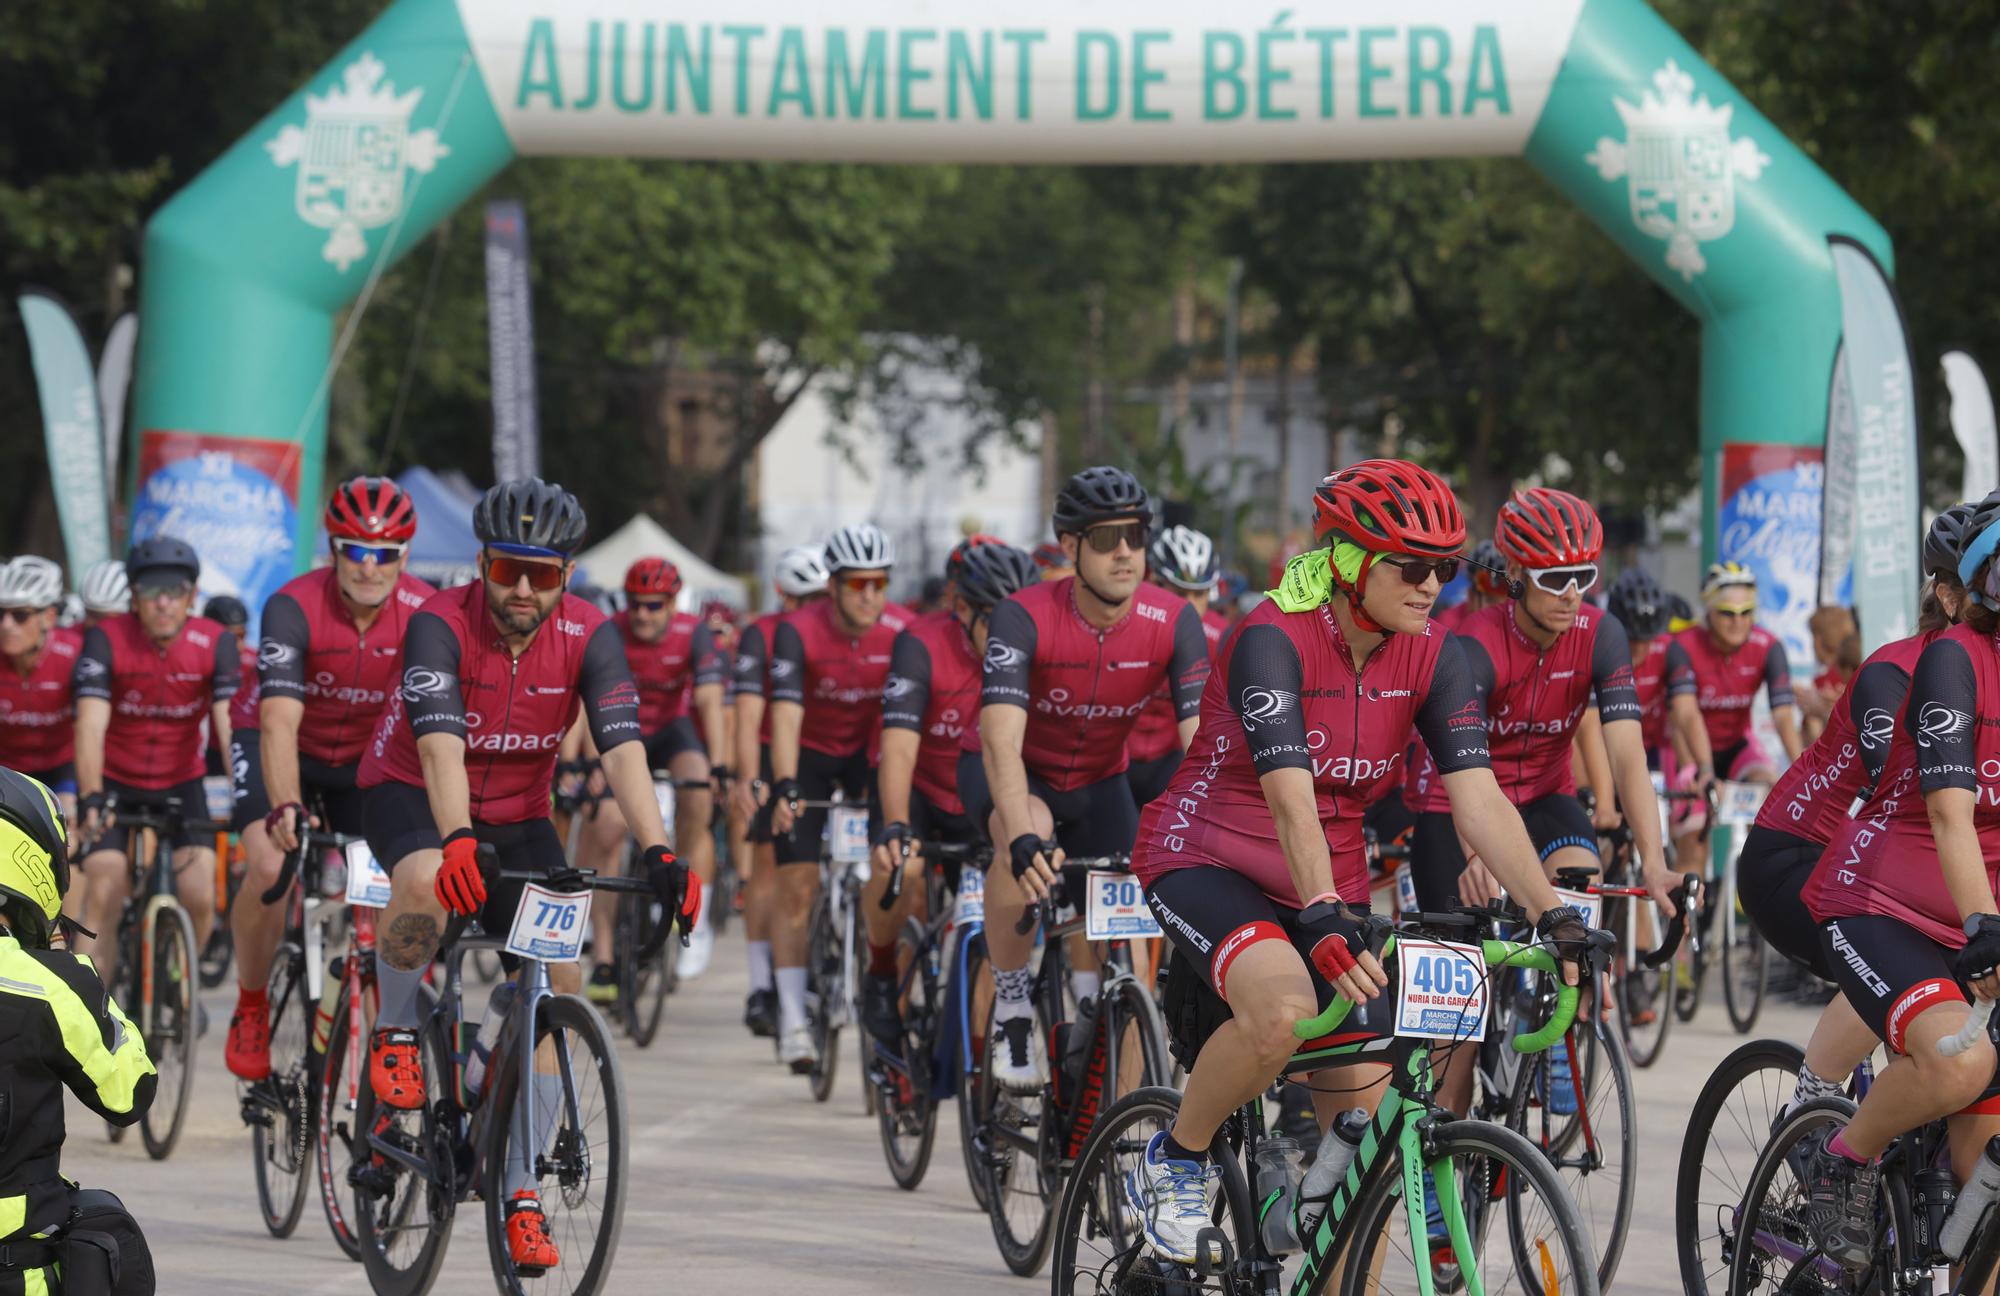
<point>405,1217</point>
<point>972,997</point>
<point>1594,1149</point>
<point>905,1110</point>
<point>167,982</point>
<point>580,1148</point>
<point>1775,1251</point>
<point>282,1104</point>
<point>343,1071</point>
<point>1743,965</point>
<point>1645,1007</point>
<point>642,996</point>
<point>1729,1125</point>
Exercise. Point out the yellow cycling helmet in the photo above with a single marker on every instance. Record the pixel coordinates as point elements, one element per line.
<point>34,858</point>
<point>1727,576</point>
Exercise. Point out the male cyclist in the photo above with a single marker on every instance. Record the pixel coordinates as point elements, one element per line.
<point>799,578</point>
<point>144,683</point>
<point>1181,561</point>
<point>105,590</point>
<point>1662,675</point>
<point>37,733</point>
<point>326,667</point>
<point>671,655</point>
<point>492,676</point>
<point>230,612</point>
<point>829,661</point>
<point>1069,666</point>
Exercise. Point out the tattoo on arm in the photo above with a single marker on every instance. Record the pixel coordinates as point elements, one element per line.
<point>411,942</point>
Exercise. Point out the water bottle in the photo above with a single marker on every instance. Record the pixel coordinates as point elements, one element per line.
<point>1278,1162</point>
<point>1973,1201</point>
<point>1336,1154</point>
<point>497,1006</point>
<point>329,994</point>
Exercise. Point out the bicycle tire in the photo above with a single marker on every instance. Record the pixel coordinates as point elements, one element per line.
<point>1638,992</point>
<point>1483,1155</point>
<point>582,1161</point>
<point>1571,1142</point>
<point>171,1040</point>
<point>1799,1125</point>
<point>905,1111</point>
<point>218,955</point>
<point>1744,966</point>
<point>823,995</point>
<point>976,995</point>
<point>386,1217</point>
<point>1708,1183</point>
<point>643,983</point>
<point>281,1150</point>
<point>864,1047</point>
<point>1094,1207</point>
<point>334,1126</point>
<point>1020,1168</point>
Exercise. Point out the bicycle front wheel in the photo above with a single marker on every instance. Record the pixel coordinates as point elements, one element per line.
<point>405,1214</point>
<point>576,1162</point>
<point>1743,965</point>
<point>1729,1125</point>
<point>905,1109</point>
<point>281,1130</point>
<point>642,996</point>
<point>1489,1164</point>
<point>166,984</point>
<point>1024,1175</point>
<point>826,993</point>
<point>343,1070</point>
<point>972,998</point>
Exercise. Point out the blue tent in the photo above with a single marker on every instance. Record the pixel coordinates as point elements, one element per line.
<point>445,546</point>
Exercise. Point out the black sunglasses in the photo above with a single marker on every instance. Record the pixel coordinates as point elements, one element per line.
<point>1416,571</point>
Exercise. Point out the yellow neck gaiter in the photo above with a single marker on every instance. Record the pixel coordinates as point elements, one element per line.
<point>1308,580</point>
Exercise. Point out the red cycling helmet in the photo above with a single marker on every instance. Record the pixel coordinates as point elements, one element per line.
<point>716,609</point>
<point>371,508</point>
<point>958,551</point>
<point>1390,506</point>
<point>1050,557</point>
<point>1541,527</point>
<point>655,576</point>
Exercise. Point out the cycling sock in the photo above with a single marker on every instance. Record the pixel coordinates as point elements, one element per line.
<point>760,964</point>
<point>1838,1146</point>
<point>791,998</point>
<point>1813,1086</point>
<point>248,998</point>
<point>399,995</point>
<point>1173,1151</point>
<point>1011,990</point>
<point>548,1109</point>
<point>1085,985</point>
<point>881,960</point>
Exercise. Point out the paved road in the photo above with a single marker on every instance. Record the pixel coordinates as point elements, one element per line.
<point>738,1178</point>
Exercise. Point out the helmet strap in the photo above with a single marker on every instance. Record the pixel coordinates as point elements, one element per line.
<point>1356,593</point>
<point>1101,598</point>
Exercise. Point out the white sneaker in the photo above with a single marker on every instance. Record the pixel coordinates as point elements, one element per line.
<point>1172,1200</point>
<point>700,947</point>
<point>795,1049</point>
<point>1019,1063</point>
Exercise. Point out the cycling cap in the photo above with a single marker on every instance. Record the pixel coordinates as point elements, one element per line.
<point>860,548</point>
<point>161,553</point>
<point>226,610</point>
<point>654,576</point>
<point>531,516</point>
<point>956,557</point>
<point>1489,569</point>
<point>105,588</point>
<point>1184,558</point>
<point>1543,527</point>
<point>1726,575</point>
<point>1945,541</point>
<point>1050,557</point>
<point>371,508</point>
<point>1100,494</point>
<point>991,572</point>
<point>30,582</point>
<point>1390,506</point>
<point>1640,604</point>
<point>34,858</point>
<point>801,571</point>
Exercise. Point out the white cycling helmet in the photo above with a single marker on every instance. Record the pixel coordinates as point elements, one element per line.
<point>30,582</point>
<point>860,548</point>
<point>1185,559</point>
<point>105,589</point>
<point>801,572</point>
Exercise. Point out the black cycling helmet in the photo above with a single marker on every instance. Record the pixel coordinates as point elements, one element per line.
<point>1946,539</point>
<point>1640,604</point>
<point>161,553</point>
<point>227,610</point>
<point>990,572</point>
<point>1100,494</point>
<point>532,515</point>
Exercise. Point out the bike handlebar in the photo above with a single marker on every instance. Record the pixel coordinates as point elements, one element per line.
<point>936,853</point>
<point>1059,894</point>
<point>1970,1033</point>
<point>311,839</point>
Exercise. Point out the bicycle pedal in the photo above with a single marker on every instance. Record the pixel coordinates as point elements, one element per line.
<point>255,1113</point>
<point>1214,1256</point>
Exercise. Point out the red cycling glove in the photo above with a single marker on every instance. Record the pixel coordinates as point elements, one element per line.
<point>460,888</point>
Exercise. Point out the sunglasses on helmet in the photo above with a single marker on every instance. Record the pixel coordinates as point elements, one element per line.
<point>1561,580</point>
<point>1415,571</point>
<point>503,570</point>
<point>1107,536</point>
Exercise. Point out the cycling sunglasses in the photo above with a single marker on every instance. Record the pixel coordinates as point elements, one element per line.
<point>649,605</point>
<point>861,584</point>
<point>1561,580</point>
<point>1415,571</point>
<point>1106,537</point>
<point>175,590</point>
<point>383,554</point>
<point>20,615</point>
<point>502,570</point>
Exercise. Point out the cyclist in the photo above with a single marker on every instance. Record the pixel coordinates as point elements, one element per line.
<point>144,684</point>
<point>325,668</point>
<point>829,661</point>
<point>1069,666</point>
<point>1054,561</point>
<point>105,590</point>
<point>929,700</point>
<point>799,578</point>
<point>671,655</point>
<point>1486,585</point>
<point>228,611</point>
<point>37,733</point>
<point>1905,896</point>
<point>1181,561</point>
<point>1662,675</point>
<point>1253,861</point>
<point>62,1030</point>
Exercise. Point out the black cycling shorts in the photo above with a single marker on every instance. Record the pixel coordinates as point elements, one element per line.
<point>1092,821</point>
<point>819,775</point>
<point>1890,973</point>
<point>193,798</point>
<point>1148,779</point>
<point>328,790</point>
<point>1390,817</point>
<point>1771,881</point>
<point>1554,821</point>
<point>676,736</point>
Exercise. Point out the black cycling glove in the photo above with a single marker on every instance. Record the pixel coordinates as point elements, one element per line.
<point>1981,951</point>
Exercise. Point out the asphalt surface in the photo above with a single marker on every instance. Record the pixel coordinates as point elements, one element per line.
<point>742,1186</point>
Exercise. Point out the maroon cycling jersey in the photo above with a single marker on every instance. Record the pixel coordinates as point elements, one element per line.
<point>1884,861</point>
<point>37,719</point>
<point>933,689</point>
<point>1158,731</point>
<point>1084,688</point>
<point>458,677</point>
<point>835,676</point>
<point>1534,697</point>
<point>314,653</point>
<point>668,669</point>
<point>160,696</point>
<point>1726,684</point>
<point>243,707</point>
<point>1285,694</point>
<point>1813,797</point>
<point>1662,675</point>
<point>751,670</point>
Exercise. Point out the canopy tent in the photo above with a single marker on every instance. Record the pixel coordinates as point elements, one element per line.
<point>445,548</point>
<point>605,563</point>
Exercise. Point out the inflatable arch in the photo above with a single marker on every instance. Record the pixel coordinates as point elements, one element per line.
<point>246,269</point>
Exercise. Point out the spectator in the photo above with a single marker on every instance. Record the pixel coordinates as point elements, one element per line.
<point>1837,648</point>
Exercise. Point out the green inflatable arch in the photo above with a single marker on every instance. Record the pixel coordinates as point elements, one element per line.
<point>247,268</point>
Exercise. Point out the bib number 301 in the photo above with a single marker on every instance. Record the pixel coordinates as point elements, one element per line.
<point>1441,991</point>
<point>1117,909</point>
<point>549,925</point>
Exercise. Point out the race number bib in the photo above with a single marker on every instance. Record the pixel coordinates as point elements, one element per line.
<point>221,796</point>
<point>1590,906</point>
<point>549,925</point>
<point>1738,803</point>
<point>367,880</point>
<point>664,794</point>
<point>847,834</point>
<point>971,897</point>
<point>1441,990</point>
<point>1117,909</point>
